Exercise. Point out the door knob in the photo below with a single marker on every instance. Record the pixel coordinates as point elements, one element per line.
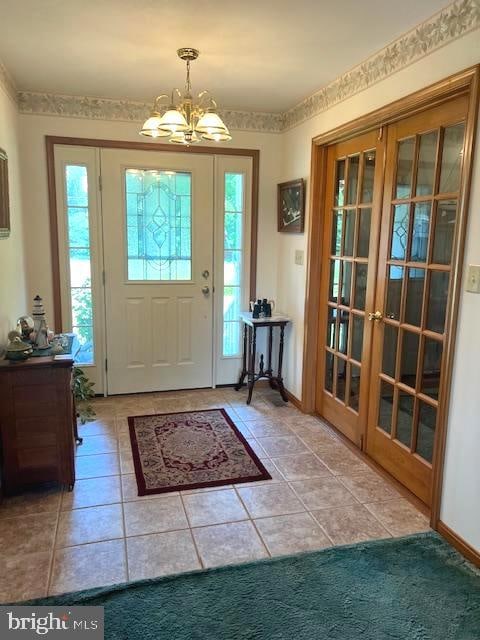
<point>377,316</point>
<point>205,290</point>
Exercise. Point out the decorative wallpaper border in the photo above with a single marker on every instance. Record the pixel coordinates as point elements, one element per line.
<point>454,21</point>
<point>7,83</point>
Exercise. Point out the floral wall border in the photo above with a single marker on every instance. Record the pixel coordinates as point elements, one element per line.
<point>451,23</point>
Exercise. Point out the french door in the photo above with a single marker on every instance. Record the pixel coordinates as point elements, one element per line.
<point>384,315</point>
<point>158,256</point>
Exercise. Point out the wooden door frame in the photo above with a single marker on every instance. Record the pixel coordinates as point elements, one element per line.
<point>51,141</point>
<point>465,82</point>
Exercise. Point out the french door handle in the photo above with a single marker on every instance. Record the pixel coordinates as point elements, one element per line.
<point>376,316</point>
<point>205,291</point>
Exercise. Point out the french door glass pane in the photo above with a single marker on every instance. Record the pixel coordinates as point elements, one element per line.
<point>159,225</point>
<point>329,371</point>
<point>346,283</point>
<point>360,292</point>
<point>340,184</point>
<point>368,176</point>
<point>394,292</point>
<point>349,232</point>
<point>401,215</point>
<point>420,231</point>
<point>353,166</point>
<point>437,300</point>
<point>334,280</point>
<point>344,322</point>
<point>331,328</point>
<point>406,404</point>
<point>405,168</point>
<point>408,368</point>
<point>444,231</point>
<point>432,362</point>
<point>413,305</point>
<point>426,163</point>
<point>337,232</point>
<point>427,418</point>
<point>354,395</point>
<point>341,378</point>
<point>385,409</point>
<point>357,337</point>
<point>389,356</point>
<point>364,233</point>
<point>452,158</point>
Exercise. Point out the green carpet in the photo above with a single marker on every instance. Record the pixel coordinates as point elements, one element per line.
<point>413,588</point>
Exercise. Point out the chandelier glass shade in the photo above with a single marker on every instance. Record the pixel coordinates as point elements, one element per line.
<point>181,118</point>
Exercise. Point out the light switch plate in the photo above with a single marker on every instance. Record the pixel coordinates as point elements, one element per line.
<point>299,256</point>
<point>473,278</point>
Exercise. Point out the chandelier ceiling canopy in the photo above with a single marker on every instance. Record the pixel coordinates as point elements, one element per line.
<point>183,119</point>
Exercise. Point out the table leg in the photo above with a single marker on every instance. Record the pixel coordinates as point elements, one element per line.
<point>243,374</point>
<point>281,388</point>
<point>251,369</point>
<point>269,371</point>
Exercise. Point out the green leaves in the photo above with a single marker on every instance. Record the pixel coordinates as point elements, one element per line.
<point>83,392</point>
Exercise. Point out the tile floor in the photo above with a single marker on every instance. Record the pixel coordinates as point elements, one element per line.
<point>321,494</point>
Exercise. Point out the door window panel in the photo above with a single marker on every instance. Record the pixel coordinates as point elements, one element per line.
<point>159,225</point>
<point>331,327</point>
<point>452,155</point>
<point>357,338</point>
<point>353,166</point>
<point>349,232</point>
<point>329,371</point>
<point>364,233</point>
<point>432,362</point>
<point>401,215</point>
<point>444,231</point>
<point>361,271</point>
<point>405,409</point>
<point>80,266</point>
<point>414,299</point>
<point>337,232</point>
<point>354,394</point>
<point>368,176</point>
<point>334,280</point>
<point>406,149</point>
<point>389,356</point>
<point>385,408</point>
<point>343,331</point>
<point>341,378</point>
<point>427,419</point>
<point>426,163</point>
<point>394,292</point>
<point>408,368</point>
<point>420,231</point>
<point>437,300</point>
<point>346,283</point>
<point>340,184</point>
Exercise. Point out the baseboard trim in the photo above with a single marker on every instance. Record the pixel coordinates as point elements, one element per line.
<point>294,400</point>
<point>459,543</point>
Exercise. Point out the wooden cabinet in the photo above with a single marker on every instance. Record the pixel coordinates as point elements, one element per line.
<point>36,423</point>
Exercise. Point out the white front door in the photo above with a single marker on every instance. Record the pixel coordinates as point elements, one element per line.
<point>158,258</point>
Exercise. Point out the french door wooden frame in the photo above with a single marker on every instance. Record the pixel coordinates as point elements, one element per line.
<point>51,141</point>
<point>466,83</point>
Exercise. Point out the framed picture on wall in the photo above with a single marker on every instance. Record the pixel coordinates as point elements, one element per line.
<point>4,202</point>
<point>291,206</point>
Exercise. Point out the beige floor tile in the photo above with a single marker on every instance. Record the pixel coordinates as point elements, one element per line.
<point>122,426</point>
<point>257,447</point>
<point>26,534</point>
<point>282,446</point>
<point>346,525</point>
<point>244,430</point>
<point>213,507</point>
<point>399,517</point>
<point>92,524</point>
<point>93,492</point>
<point>319,493</point>
<point>104,408</point>
<point>126,461</point>
<point>130,489</point>
<point>161,554</point>
<point>340,460</point>
<point>102,443</point>
<point>165,513</point>
<point>99,426</point>
<point>369,487</point>
<point>301,466</point>
<point>223,544</point>
<point>88,566</point>
<point>96,466</point>
<point>31,502</point>
<point>267,428</point>
<point>256,411</point>
<point>270,500</point>
<point>291,534</point>
<point>272,470</point>
<point>124,441</point>
<point>24,576</point>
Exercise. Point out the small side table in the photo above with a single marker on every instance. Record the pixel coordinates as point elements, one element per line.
<point>250,326</point>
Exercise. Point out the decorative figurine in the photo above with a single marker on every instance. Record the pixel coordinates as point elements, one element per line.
<point>16,349</point>
<point>25,327</point>
<point>40,330</point>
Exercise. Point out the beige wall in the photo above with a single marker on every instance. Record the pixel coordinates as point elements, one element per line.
<point>462,472</point>
<point>13,301</point>
<point>34,130</point>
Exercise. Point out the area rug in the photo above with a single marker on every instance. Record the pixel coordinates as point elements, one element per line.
<point>414,588</point>
<point>190,450</point>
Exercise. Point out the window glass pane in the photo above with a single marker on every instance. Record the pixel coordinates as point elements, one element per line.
<point>408,368</point>
<point>232,268</point>
<point>427,418</point>
<point>432,362</point>
<point>78,231</point>
<point>334,280</point>
<point>349,232</point>
<point>158,209</point>
<point>385,407</point>
<point>234,192</point>
<point>368,175</point>
<point>426,163</point>
<point>389,356</point>
<point>357,338</point>
<point>360,292</point>
<point>341,378</point>
<point>340,184</point>
<point>404,167</point>
<point>231,338</point>
<point>401,214</point>
<point>444,231</point>
<point>452,158</point>
<point>331,327</point>
<point>233,231</point>
<point>406,404</point>
<point>344,322</point>
<point>437,301</point>
<point>232,300</point>
<point>421,227</point>
<point>364,233</point>
<point>329,371</point>
<point>353,165</point>
<point>346,283</point>
<point>337,232</point>
<point>394,292</point>
<point>354,399</point>
<point>413,306</point>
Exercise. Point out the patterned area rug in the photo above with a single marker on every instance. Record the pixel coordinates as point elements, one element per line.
<point>190,450</point>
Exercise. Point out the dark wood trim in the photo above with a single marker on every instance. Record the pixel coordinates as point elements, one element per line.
<point>466,82</point>
<point>51,141</point>
<point>459,543</point>
<point>451,320</point>
<point>293,399</point>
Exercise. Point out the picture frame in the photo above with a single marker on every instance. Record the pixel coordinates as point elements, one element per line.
<point>291,206</point>
<point>4,196</point>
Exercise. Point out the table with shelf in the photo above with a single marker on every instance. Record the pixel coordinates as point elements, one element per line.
<point>250,326</point>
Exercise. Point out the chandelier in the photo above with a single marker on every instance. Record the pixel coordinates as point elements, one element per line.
<point>180,118</point>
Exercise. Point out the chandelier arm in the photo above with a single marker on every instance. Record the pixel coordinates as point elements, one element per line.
<point>156,103</point>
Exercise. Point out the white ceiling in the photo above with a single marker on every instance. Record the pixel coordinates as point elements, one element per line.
<point>263,55</point>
